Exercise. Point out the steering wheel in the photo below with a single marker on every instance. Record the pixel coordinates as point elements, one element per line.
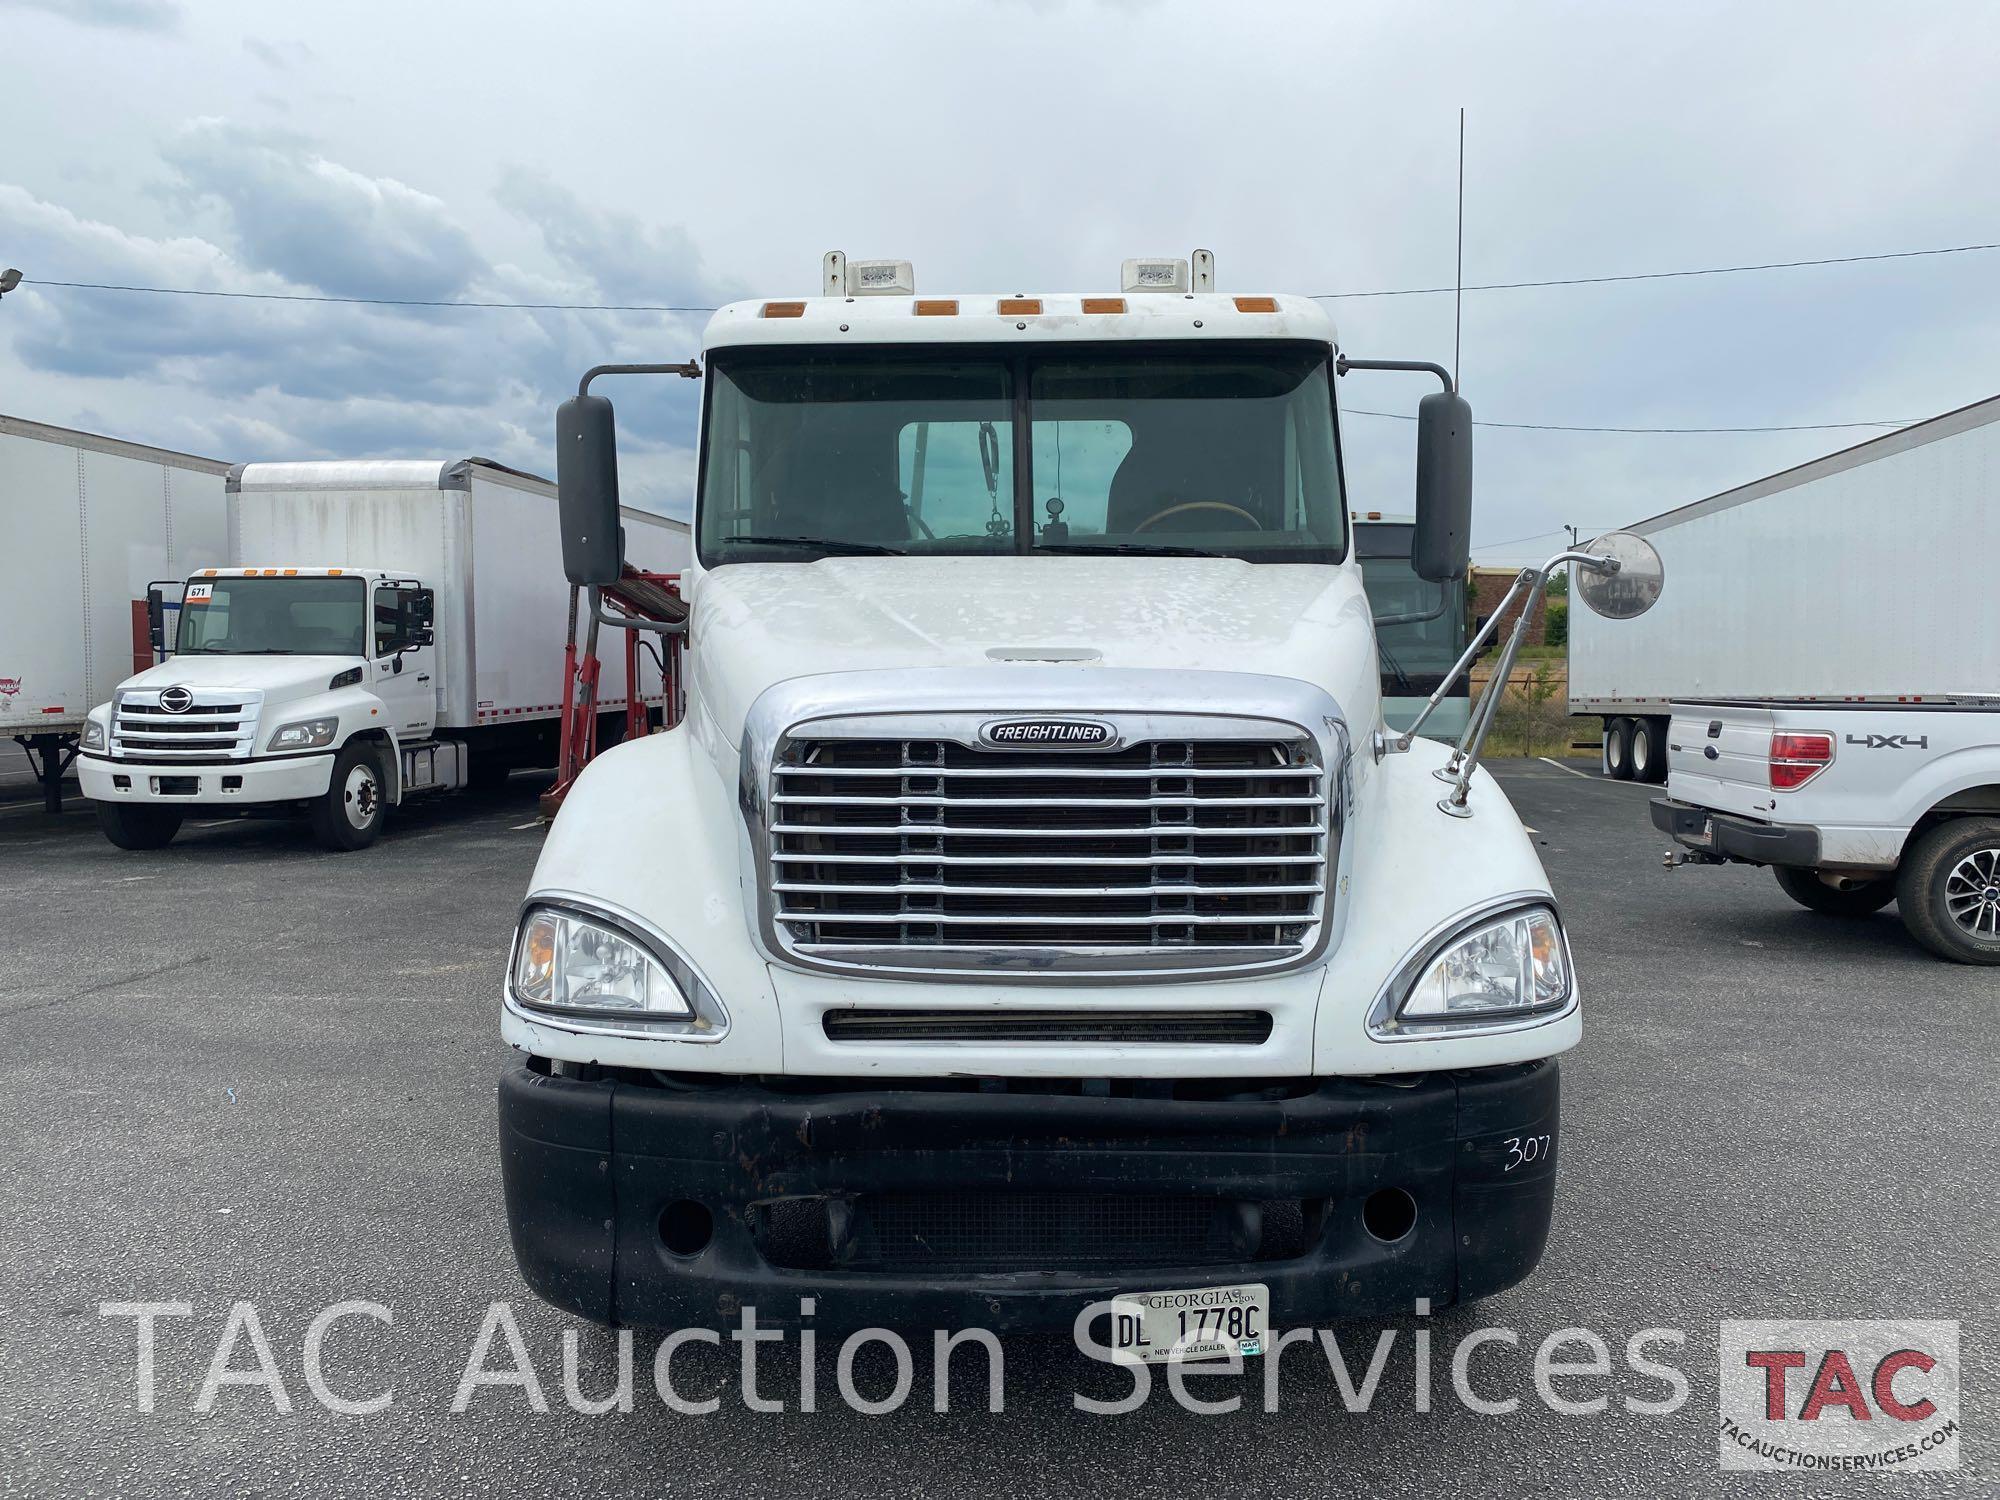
<point>1187,505</point>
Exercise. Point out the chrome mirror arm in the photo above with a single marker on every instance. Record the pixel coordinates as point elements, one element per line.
<point>1465,759</point>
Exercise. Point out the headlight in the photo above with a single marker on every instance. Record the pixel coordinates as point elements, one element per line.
<point>568,963</point>
<point>307,734</point>
<point>1509,966</point>
<point>93,735</point>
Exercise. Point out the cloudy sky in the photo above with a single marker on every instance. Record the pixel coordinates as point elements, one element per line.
<point>684,154</point>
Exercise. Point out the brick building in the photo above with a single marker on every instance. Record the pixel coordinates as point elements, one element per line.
<point>1489,587</point>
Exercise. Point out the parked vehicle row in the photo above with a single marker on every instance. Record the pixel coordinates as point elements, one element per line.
<point>324,638</point>
<point>1821,687</point>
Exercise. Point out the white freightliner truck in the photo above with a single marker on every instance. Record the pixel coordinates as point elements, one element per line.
<point>1032,911</point>
<point>1821,688</point>
<point>386,628</point>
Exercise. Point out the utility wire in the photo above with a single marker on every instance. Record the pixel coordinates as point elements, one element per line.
<point>1403,416</point>
<point>189,291</point>
<point>1516,540</point>
<point>1769,265</point>
<point>1408,291</point>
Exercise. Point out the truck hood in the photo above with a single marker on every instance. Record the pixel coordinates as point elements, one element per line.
<point>279,678</point>
<point>756,624</point>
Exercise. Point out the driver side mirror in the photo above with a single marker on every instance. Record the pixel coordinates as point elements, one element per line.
<point>1441,549</point>
<point>587,491</point>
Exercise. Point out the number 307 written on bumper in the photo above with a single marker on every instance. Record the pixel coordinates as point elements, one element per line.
<point>1523,1149</point>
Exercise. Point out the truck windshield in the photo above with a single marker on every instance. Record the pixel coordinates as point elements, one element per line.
<point>273,617</point>
<point>1228,451</point>
<point>1416,653</point>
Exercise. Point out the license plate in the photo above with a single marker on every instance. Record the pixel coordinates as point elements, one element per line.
<point>1207,1322</point>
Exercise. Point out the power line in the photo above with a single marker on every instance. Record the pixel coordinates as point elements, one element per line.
<point>1769,265</point>
<point>1403,416</point>
<point>1516,540</point>
<point>189,291</point>
<point>659,307</point>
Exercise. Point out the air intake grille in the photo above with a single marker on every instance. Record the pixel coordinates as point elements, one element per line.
<point>212,728</point>
<point>985,1232</point>
<point>1239,1028</point>
<point>1213,848</point>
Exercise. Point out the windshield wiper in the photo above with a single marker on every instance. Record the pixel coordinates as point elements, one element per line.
<point>824,544</point>
<point>1126,549</point>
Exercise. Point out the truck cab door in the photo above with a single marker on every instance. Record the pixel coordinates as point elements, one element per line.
<point>403,658</point>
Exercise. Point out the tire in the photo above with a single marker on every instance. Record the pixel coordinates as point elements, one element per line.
<point>1648,751</point>
<point>1860,900</point>
<point>1618,749</point>
<point>138,827</point>
<point>349,815</point>
<point>1948,890</point>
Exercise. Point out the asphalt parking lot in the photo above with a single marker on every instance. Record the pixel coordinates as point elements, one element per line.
<point>242,1069</point>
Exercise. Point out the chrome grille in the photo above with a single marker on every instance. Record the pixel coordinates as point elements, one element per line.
<point>1181,852</point>
<point>216,726</point>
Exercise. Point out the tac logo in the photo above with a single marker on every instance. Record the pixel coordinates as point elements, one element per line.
<point>1836,1397</point>
<point>9,686</point>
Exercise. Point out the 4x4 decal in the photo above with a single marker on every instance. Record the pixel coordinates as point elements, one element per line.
<point>1891,741</point>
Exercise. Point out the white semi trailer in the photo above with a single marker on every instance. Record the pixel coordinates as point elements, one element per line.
<point>90,522</point>
<point>380,628</point>
<point>1033,921</point>
<point>1861,577</point>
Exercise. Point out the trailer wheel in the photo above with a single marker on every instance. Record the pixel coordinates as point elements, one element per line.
<point>1649,750</point>
<point>1948,890</point>
<point>1857,899</point>
<point>1618,749</point>
<point>138,827</point>
<point>349,815</point>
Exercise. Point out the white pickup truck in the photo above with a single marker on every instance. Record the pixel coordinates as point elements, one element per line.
<point>1853,805</point>
<point>1032,910</point>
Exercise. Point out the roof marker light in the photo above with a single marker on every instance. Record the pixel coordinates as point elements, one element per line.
<point>784,309</point>
<point>937,307</point>
<point>1104,304</point>
<point>1020,307</point>
<point>1256,304</point>
<point>1153,274</point>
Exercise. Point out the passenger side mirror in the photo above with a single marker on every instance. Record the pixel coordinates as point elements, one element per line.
<point>1633,587</point>
<point>156,615</point>
<point>1441,549</point>
<point>587,491</point>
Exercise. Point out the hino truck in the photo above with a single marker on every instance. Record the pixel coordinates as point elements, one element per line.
<point>1821,691</point>
<point>1032,922</point>
<point>90,523</point>
<point>383,628</point>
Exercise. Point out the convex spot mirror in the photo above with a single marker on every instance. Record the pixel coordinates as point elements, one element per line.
<point>1633,589</point>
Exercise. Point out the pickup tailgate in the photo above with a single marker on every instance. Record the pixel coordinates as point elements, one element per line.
<point>1720,757</point>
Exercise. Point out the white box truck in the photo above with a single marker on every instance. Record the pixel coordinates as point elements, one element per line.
<point>1824,680</point>
<point>381,628</point>
<point>90,522</point>
<point>1032,912</point>
<point>1859,577</point>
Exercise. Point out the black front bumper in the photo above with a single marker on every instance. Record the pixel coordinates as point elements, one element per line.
<point>1729,836</point>
<point>599,1175</point>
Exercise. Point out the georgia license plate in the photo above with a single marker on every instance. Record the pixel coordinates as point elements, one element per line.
<point>1207,1322</point>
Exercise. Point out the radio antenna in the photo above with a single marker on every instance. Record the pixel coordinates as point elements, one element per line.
<point>1458,280</point>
